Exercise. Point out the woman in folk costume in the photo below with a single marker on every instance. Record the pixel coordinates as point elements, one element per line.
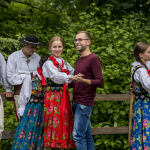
<point>140,76</point>
<point>58,118</point>
<point>29,132</point>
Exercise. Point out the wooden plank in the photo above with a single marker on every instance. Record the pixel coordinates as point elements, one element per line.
<point>110,130</point>
<point>8,134</point>
<point>98,97</point>
<point>5,99</point>
<point>112,97</point>
<point>109,97</point>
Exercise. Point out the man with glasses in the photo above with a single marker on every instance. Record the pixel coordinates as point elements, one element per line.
<point>19,66</point>
<point>84,91</point>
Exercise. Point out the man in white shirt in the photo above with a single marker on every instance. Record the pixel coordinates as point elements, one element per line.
<point>7,87</point>
<point>20,64</point>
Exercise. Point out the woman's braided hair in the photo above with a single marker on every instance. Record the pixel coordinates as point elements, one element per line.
<point>43,59</point>
<point>140,47</point>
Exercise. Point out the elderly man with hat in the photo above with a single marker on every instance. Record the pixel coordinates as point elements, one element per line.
<point>19,66</point>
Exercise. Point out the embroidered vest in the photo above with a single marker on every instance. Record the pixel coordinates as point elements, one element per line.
<point>140,92</point>
<point>51,86</point>
<point>37,90</point>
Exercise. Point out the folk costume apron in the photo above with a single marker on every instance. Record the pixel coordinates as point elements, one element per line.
<point>29,132</point>
<point>140,126</point>
<point>58,117</point>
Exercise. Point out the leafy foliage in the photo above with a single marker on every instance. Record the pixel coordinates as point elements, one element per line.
<point>113,38</point>
<point>110,114</point>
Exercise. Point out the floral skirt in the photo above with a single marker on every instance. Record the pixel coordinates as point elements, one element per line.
<point>52,112</point>
<point>140,131</point>
<point>29,132</point>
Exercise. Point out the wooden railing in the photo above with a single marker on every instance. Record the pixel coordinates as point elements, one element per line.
<point>8,134</point>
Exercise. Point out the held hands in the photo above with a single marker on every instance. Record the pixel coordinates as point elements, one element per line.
<point>77,78</point>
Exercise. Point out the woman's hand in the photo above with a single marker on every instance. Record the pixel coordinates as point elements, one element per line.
<point>77,78</point>
<point>132,89</point>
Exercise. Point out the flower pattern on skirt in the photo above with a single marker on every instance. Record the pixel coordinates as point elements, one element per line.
<point>29,132</point>
<point>52,107</point>
<point>140,131</point>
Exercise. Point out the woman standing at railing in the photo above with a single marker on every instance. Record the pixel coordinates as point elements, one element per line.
<point>29,132</point>
<point>140,76</point>
<point>58,118</point>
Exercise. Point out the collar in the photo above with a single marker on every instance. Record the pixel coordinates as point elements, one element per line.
<point>58,59</point>
<point>136,64</point>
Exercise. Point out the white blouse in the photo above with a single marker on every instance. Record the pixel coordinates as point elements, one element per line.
<point>148,64</point>
<point>141,75</point>
<point>18,68</point>
<point>50,71</point>
<point>3,79</point>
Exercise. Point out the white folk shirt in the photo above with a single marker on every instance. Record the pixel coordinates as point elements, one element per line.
<point>141,75</point>
<point>148,64</point>
<point>17,67</point>
<point>3,79</point>
<point>50,71</point>
<point>18,72</point>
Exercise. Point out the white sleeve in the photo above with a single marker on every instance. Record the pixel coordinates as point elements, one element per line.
<point>141,75</point>
<point>12,76</point>
<point>3,77</point>
<point>25,94</point>
<point>70,69</point>
<point>1,117</point>
<point>50,71</point>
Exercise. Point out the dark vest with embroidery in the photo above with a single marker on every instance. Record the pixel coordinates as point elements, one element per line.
<point>37,95</point>
<point>140,92</point>
<point>51,86</point>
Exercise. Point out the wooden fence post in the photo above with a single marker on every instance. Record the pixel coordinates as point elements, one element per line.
<point>130,116</point>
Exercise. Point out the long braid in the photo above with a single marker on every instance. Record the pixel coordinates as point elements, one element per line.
<point>140,61</point>
<point>43,59</point>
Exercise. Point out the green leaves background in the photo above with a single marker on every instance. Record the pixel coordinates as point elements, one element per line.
<point>113,40</point>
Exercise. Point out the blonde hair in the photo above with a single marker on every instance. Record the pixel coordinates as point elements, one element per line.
<point>56,38</point>
<point>86,33</point>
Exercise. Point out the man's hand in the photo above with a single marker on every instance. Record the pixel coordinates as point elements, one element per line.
<point>132,89</point>
<point>77,78</point>
<point>9,95</point>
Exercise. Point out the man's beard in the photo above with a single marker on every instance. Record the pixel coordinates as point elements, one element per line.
<point>83,48</point>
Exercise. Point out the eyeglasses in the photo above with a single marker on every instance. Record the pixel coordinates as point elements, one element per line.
<point>79,40</point>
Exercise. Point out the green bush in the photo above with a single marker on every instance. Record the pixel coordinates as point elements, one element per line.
<point>112,40</point>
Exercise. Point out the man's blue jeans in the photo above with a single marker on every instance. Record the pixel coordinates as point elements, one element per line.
<point>82,134</point>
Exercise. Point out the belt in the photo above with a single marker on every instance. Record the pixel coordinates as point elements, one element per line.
<point>142,95</point>
<point>17,89</point>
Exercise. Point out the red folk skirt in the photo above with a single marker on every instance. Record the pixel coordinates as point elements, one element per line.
<point>52,122</point>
